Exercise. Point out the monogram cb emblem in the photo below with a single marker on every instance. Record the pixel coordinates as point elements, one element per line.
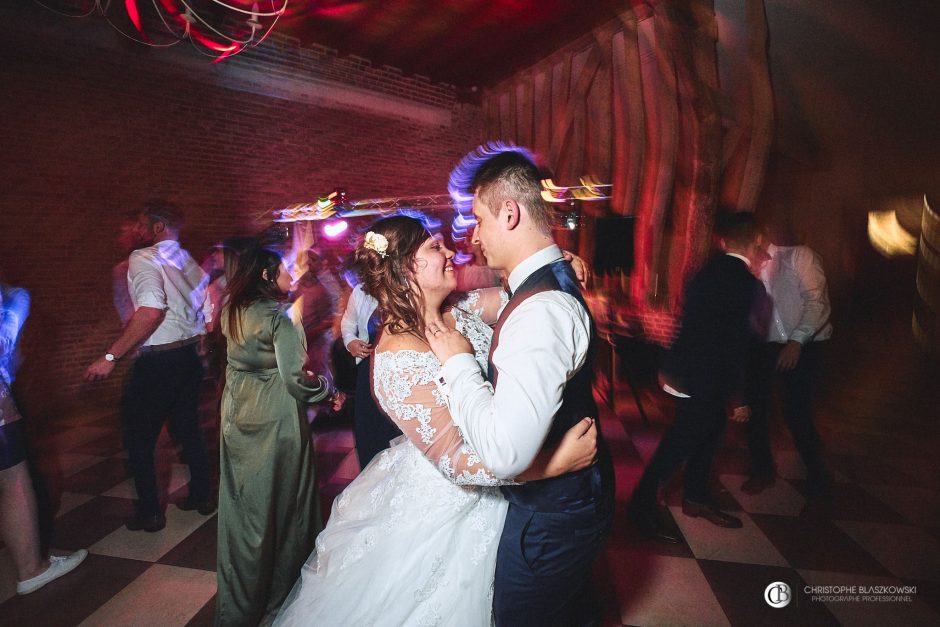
<point>777,594</point>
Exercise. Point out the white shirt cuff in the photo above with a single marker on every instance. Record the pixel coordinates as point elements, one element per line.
<point>152,302</point>
<point>668,389</point>
<point>800,336</point>
<point>441,383</point>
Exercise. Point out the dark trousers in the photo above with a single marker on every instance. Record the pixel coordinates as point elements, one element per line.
<point>544,564</point>
<point>160,386</point>
<point>692,440</point>
<point>798,392</point>
<point>372,429</point>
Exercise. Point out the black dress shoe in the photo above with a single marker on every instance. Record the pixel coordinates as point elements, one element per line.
<point>146,523</point>
<point>652,524</point>
<point>758,483</point>
<point>203,507</point>
<point>712,514</point>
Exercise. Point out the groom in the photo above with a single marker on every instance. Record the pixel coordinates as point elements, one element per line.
<point>540,370</point>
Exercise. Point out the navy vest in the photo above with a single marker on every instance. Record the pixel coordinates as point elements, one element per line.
<point>575,491</point>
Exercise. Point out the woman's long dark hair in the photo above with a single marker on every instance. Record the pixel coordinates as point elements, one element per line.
<point>247,285</point>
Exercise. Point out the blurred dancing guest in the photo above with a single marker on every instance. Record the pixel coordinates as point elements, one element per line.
<point>791,355</point>
<point>168,289</point>
<point>372,430</point>
<point>225,261</point>
<point>269,511</point>
<point>705,370</point>
<point>318,303</point>
<point>412,540</point>
<point>214,267</point>
<point>129,239</point>
<point>19,522</point>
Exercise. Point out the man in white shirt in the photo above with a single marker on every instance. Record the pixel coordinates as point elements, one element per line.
<point>168,290</point>
<point>540,372</point>
<point>372,430</point>
<point>355,323</point>
<point>791,356</point>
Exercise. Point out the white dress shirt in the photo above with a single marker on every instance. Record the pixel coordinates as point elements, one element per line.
<point>355,322</point>
<point>164,276</point>
<point>542,344</point>
<point>795,281</point>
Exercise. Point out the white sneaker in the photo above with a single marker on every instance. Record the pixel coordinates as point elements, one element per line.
<point>58,566</point>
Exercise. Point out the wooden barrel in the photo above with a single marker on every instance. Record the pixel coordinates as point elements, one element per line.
<point>926,322</point>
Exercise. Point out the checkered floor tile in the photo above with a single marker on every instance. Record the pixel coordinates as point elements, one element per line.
<point>881,526</point>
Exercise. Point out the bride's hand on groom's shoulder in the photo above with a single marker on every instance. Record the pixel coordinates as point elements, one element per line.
<point>581,270</point>
<point>446,342</point>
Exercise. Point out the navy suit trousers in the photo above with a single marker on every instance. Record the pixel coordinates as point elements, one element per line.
<point>544,565</point>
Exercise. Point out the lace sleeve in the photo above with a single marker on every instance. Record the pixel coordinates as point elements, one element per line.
<point>485,303</point>
<point>407,393</point>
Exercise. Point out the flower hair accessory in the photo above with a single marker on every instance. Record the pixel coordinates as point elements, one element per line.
<point>376,242</point>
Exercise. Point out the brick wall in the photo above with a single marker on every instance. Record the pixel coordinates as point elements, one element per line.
<point>659,326</point>
<point>93,127</point>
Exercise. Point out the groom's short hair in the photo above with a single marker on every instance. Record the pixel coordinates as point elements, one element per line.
<point>511,174</point>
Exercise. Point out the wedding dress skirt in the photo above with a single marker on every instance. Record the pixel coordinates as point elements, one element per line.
<point>403,546</point>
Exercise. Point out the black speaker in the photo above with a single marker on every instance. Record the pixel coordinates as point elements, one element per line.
<point>614,251</point>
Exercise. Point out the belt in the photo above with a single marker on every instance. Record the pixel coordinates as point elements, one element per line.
<point>160,348</point>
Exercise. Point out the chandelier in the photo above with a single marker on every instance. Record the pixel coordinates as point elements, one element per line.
<point>217,28</point>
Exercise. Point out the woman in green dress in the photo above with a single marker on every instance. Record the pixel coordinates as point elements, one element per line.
<point>269,513</point>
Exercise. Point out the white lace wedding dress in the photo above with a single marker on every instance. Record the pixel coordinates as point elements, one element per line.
<point>412,540</point>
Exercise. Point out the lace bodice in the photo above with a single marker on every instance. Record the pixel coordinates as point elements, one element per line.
<point>475,313</point>
<point>407,391</point>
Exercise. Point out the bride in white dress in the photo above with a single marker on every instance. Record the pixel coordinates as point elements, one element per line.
<point>412,540</point>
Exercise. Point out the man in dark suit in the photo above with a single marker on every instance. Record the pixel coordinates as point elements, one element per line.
<point>705,371</point>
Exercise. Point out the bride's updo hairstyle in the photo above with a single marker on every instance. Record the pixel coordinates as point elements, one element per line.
<point>385,262</point>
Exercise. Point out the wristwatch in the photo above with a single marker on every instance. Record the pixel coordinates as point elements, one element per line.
<point>110,357</point>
